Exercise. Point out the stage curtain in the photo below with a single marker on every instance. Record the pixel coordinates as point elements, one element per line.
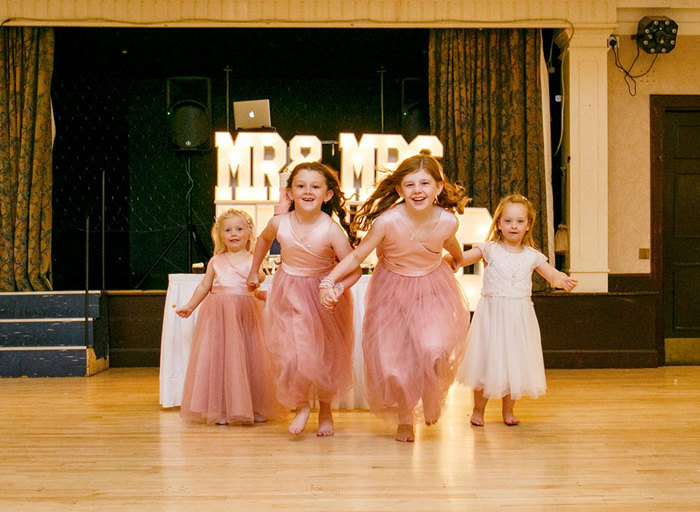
<point>486,109</point>
<point>26,65</point>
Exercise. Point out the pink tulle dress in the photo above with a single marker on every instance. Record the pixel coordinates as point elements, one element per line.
<point>416,320</point>
<point>229,375</point>
<point>312,348</point>
<point>505,353</point>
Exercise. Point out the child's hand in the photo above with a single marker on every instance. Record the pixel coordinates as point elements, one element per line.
<point>253,281</point>
<point>447,258</point>
<point>565,282</point>
<point>183,312</point>
<point>260,295</point>
<point>328,298</point>
<point>284,203</point>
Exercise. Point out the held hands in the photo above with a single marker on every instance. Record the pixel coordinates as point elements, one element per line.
<point>329,293</point>
<point>328,298</point>
<point>454,265</point>
<point>253,281</point>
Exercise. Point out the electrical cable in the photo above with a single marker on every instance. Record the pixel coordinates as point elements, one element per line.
<point>630,79</point>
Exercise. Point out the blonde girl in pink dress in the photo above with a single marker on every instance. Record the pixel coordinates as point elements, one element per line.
<point>312,347</point>
<point>229,375</point>
<point>504,358</point>
<point>416,317</point>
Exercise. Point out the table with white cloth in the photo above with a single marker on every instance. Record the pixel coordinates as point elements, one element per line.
<point>176,341</point>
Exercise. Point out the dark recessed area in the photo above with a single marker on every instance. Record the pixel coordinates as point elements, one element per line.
<point>109,99</point>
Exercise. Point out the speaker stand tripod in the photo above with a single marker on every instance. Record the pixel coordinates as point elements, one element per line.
<point>193,237</point>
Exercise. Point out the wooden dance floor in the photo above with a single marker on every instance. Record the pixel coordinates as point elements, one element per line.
<point>612,440</point>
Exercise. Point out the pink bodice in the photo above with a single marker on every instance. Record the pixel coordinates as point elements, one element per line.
<point>407,256</point>
<point>230,278</point>
<point>308,256</point>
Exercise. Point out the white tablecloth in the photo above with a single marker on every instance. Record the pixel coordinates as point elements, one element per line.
<point>176,340</point>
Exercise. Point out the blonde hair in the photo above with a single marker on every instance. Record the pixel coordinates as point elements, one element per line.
<point>452,197</point>
<point>219,245</point>
<point>495,234</point>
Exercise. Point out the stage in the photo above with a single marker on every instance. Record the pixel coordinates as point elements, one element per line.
<point>612,440</point>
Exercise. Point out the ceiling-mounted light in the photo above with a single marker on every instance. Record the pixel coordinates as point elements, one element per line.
<point>657,34</point>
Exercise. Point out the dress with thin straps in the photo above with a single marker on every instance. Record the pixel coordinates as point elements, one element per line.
<point>229,374</point>
<point>416,319</point>
<point>312,347</point>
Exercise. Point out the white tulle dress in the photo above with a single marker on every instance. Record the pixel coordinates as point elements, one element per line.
<point>504,351</point>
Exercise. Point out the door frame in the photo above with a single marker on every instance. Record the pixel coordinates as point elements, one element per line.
<point>660,105</point>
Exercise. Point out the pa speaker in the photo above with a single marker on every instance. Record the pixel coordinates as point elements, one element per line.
<point>189,113</point>
<point>415,111</point>
<point>415,120</point>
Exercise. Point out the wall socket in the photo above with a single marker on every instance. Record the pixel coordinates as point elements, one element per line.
<point>644,254</point>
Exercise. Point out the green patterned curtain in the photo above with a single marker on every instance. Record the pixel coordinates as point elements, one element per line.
<point>26,65</point>
<point>486,109</point>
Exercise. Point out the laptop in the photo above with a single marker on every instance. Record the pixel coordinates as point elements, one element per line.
<point>251,115</point>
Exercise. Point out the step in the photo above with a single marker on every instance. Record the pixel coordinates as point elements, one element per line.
<point>42,334</point>
<point>67,304</point>
<point>40,362</point>
<point>45,332</point>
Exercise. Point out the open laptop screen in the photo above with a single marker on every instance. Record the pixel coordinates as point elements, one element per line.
<point>253,114</point>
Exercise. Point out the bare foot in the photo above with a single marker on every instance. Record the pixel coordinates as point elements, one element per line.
<point>404,433</point>
<point>325,425</point>
<point>431,405</point>
<point>507,411</point>
<point>431,411</point>
<point>510,419</point>
<point>259,418</point>
<point>477,418</point>
<point>298,424</point>
<point>430,421</point>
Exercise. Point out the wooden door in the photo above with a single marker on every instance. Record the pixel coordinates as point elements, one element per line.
<point>680,164</point>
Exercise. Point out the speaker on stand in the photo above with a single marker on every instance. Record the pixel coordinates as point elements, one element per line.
<point>189,114</point>
<point>415,112</point>
<point>189,131</point>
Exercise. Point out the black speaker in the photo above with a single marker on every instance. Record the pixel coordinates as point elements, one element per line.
<point>415,120</point>
<point>189,113</point>
<point>415,111</point>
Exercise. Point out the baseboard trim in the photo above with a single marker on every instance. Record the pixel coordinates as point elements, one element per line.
<point>570,359</point>
<point>621,283</point>
<point>681,351</point>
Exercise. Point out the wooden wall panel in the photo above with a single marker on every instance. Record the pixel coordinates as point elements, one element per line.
<point>599,330</point>
<point>578,330</point>
<point>135,323</point>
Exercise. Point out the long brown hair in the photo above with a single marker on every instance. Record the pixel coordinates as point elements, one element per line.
<point>336,204</point>
<point>495,234</point>
<point>452,197</point>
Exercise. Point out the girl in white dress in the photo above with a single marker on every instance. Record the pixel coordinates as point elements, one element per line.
<point>504,354</point>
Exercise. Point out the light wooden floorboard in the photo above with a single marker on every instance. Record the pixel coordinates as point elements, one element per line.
<point>600,440</point>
